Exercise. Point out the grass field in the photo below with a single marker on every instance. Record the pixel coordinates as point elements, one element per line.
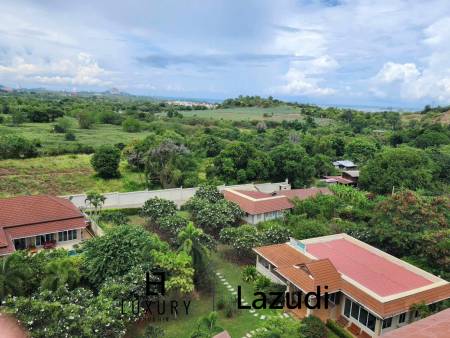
<point>61,175</point>
<point>279,114</point>
<point>238,326</point>
<point>100,134</point>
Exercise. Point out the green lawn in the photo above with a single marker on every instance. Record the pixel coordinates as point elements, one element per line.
<point>279,113</point>
<point>98,135</point>
<point>237,326</point>
<point>61,175</point>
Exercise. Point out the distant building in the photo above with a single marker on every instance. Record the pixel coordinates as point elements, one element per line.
<point>370,291</point>
<point>259,206</point>
<point>348,177</point>
<point>40,222</point>
<point>345,165</point>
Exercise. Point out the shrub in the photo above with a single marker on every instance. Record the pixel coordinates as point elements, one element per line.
<point>70,136</point>
<point>85,120</point>
<point>313,327</point>
<point>62,125</point>
<point>106,161</point>
<point>339,331</point>
<point>249,274</point>
<point>131,125</point>
<point>156,208</point>
<point>172,223</point>
<point>12,146</point>
<point>153,332</point>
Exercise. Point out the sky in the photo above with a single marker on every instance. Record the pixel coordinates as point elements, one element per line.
<point>384,52</point>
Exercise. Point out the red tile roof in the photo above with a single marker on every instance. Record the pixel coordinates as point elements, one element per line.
<point>435,326</point>
<point>27,216</point>
<point>255,202</point>
<point>373,271</point>
<point>304,193</point>
<point>338,179</point>
<point>379,281</point>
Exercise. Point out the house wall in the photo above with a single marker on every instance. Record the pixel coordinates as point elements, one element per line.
<point>255,219</point>
<point>180,196</point>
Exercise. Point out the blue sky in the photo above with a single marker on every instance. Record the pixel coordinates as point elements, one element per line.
<point>393,52</point>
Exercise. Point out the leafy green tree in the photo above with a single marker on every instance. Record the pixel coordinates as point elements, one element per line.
<point>243,239</point>
<point>61,272</point>
<point>62,125</point>
<point>12,146</point>
<point>18,117</point>
<point>212,217</point>
<point>241,161</point>
<point>165,163</point>
<point>14,273</point>
<point>156,208</point>
<point>118,251</point>
<point>399,222</point>
<point>106,161</point>
<point>85,120</point>
<point>173,224</point>
<point>360,150</point>
<point>209,193</point>
<point>131,125</point>
<point>432,138</point>
<point>396,168</point>
<point>291,162</point>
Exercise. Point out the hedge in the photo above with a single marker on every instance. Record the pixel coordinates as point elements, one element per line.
<point>339,331</point>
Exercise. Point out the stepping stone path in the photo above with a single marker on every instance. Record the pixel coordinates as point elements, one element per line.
<point>252,311</point>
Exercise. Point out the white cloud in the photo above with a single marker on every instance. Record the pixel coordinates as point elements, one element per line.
<point>80,70</point>
<point>304,77</point>
<point>391,72</point>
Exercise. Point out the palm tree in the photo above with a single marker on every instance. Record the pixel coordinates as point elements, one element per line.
<point>95,200</point>
<point>207,326</point>
<point>13,274</point>
<point>60,272</point>
<point>190,239</point>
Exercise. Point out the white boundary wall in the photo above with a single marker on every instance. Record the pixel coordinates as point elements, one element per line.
<point>135,199</point>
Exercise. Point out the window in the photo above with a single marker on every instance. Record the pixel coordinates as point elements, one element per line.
<point>371,322</point>
<point>348,304</point>
<point>67,235</point>
<point>332,298</point>
<point>387,323</point>
<point>355,310</point>
<point>402,318</point>
<point>359,313</point>
<point>363,316</point>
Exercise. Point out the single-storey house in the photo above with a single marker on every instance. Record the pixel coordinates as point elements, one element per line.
<point>348,177</point>
<point>370,291</point>
<point>259,206</point>
<point>41,221</point>
<point>345,165</point>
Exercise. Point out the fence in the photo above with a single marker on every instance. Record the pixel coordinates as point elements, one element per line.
<point>135,199</point>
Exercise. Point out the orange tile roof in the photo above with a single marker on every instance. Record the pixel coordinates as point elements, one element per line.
<point>26,216</point>
<point>255,202</point>
<point>313,274</point>
<point>281,255</point>
<point>304,193</point>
